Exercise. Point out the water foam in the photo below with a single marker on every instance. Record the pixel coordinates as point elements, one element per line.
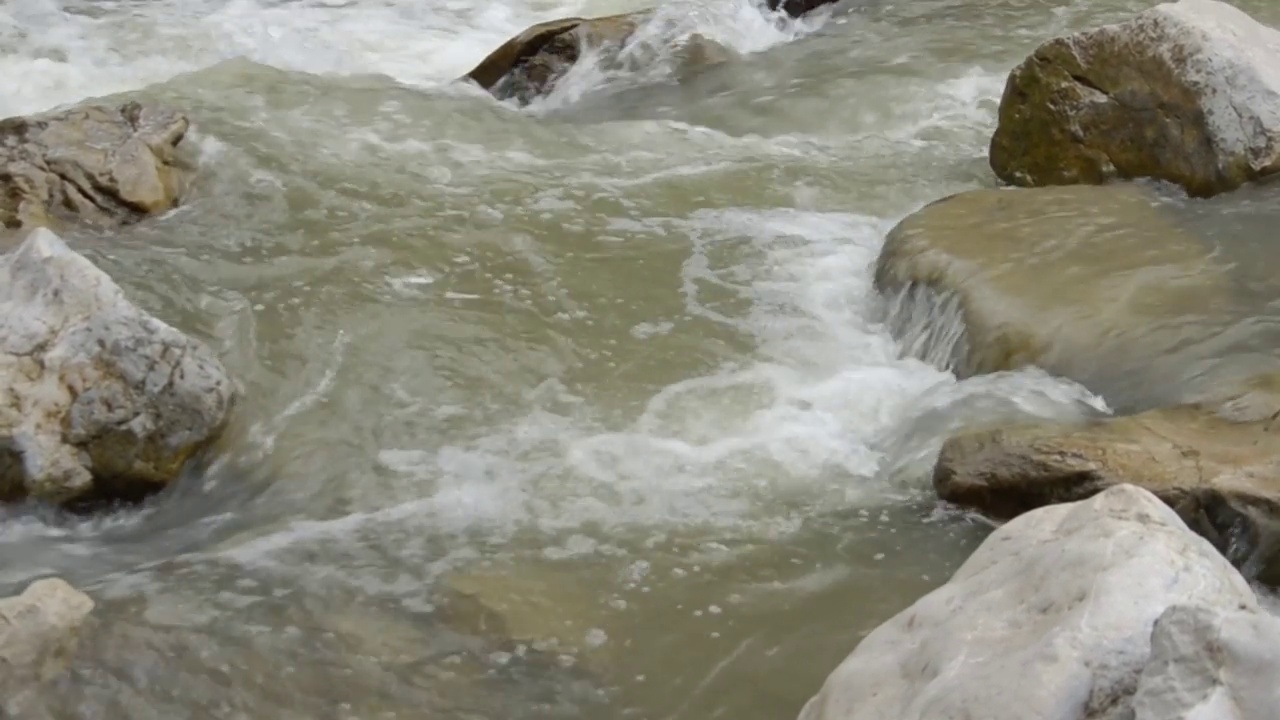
<point>53,52</point>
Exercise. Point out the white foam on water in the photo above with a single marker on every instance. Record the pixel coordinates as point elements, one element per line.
<point>827,413</point>
<point>55,52</point>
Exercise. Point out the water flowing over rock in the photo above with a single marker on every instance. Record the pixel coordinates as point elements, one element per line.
<point>1097,284</point>
<point>99,397</point>
<point>1187,92</point>
<point>106,165</point>
<point>1222,476</point>
<point>38,631</point>
<point>1051,618</point>
<point>530,64</point>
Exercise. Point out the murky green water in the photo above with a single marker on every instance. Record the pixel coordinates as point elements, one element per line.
<point>612,362</point>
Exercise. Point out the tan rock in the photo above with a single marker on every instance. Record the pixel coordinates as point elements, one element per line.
<point>1222,476</point>
<point>1096,284</point>
<point>105,165</point>
<point>1187,91</point>
<point>38,632</point>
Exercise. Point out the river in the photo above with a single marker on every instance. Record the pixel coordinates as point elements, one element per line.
<point>609,367</point>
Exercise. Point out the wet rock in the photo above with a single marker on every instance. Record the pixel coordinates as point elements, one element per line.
<point>38,632</point>
<point>1097,284</point>
<point>1222,476</point>
<point>1051,617</point>
<point>796,8</point>
<point>1211,663</point>
<point>529,64</point>
<point>543,608</point>
<point>1187,91</point>
<point>98,398</point>
<point>532,63</point>
<point>106,165</point>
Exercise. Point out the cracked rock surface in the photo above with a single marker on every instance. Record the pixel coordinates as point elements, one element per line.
<point>1187,92</point>
<point>97,397</point>
<point>104,165</point>
<point>1051,618</point>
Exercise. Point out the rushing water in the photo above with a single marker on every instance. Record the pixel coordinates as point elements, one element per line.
<point>612,361</point>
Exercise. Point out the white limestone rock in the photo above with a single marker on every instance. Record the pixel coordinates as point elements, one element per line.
<point>1051,618</point>
<point>96,396</point>
<point>1187,91</point>
<point>1209,664</point>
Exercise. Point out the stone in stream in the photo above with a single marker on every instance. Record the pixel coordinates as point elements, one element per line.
<point>1098,284</point>
<point>39,630</point>
<point>1221,475</point>
<point>1187,92</point>
<point>99,399</point>
<point>529,65</point>
<point>1052,618</point>
<point>101,164</point>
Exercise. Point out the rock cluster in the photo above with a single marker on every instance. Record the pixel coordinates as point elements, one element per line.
<point>1116,589</point>
<point>99,400</point>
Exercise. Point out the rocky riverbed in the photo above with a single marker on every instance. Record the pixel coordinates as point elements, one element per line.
<point>1073,337</point>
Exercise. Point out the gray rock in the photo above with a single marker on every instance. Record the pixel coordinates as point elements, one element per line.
<point>96,396</point>
<point>1051,618</point>
<point>38,632</point>
<point>104,165</point>
<point>1207,664</point>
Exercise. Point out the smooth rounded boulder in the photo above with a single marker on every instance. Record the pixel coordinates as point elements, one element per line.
<point>1101,285</point>
<point>1187,92</point>
<point>99,399</point>
<point>105,165</point>
<point>1051,618</point>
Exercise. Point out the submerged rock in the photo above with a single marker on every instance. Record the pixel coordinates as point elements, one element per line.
<point>1187,91</point>
<point>98,397</point>
<point>1051,618</point>
<point>1222,476</point>
<point>1096,284</point>
<point>101,164</point>
<point>38,632</point>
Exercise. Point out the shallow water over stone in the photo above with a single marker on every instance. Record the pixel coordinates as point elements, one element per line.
<point>580,410</point>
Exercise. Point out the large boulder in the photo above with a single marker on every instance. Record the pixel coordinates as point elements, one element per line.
<point>1051,618</point>
<point>1221,475</point>
<point>38,632</point>
<point>1101,285</point>
<point>106,165</point>
<point>1187,91</point>
<point>97,398</point>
